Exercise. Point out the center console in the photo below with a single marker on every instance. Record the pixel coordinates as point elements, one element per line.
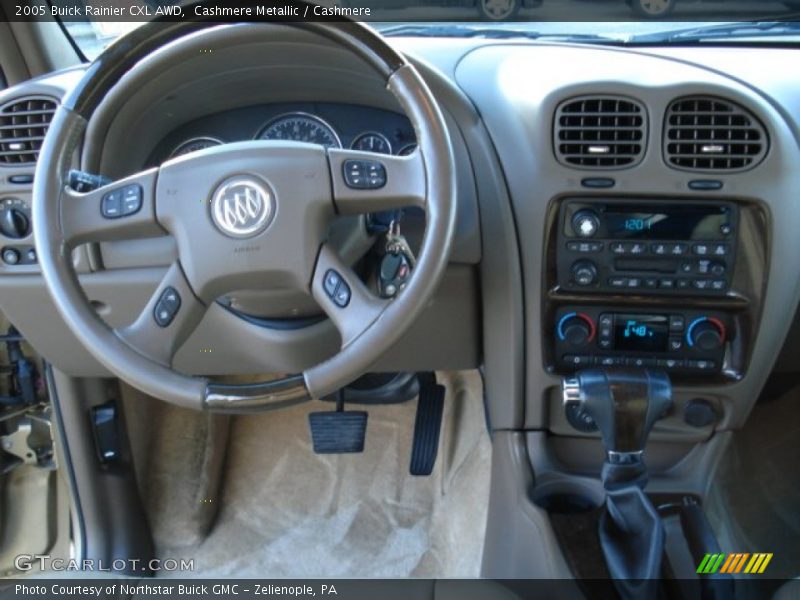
<point>650,283</point>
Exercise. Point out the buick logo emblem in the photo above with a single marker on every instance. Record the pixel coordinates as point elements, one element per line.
<point>242,207</point>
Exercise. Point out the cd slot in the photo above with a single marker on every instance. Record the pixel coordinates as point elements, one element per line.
<point>644,265</point>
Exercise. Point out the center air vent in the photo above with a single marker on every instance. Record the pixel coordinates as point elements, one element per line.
<point>711,134</point>
<point>23,125</point>
<point>600,132</point>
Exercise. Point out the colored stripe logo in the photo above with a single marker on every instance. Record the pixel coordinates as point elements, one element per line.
<point>736,562</point>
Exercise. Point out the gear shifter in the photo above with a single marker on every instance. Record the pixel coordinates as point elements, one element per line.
<point>625,405</point>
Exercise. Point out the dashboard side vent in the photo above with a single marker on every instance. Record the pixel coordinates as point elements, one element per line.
<point>705,133</point>
<point>600,132</point>
<point>23,125</point>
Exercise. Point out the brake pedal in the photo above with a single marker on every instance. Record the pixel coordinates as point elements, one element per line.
<point>427,425</point>
<point>339,431</point>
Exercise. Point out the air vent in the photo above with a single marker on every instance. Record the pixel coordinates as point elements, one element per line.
<point>23,124</point>
<point>600,132</point>
<point>712,134</point>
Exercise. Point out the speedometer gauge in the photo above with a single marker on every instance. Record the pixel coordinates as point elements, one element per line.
<point>372,142</point>
<point>195,145</point>
<point>301,127</point>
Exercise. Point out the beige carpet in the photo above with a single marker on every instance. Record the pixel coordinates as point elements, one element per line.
<point>277,509</point>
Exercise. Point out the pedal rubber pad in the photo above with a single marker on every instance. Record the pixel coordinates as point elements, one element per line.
<point>338,432</point>
<point>428,424</point>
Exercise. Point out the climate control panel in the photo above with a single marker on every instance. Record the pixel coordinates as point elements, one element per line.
<point>685,341</point>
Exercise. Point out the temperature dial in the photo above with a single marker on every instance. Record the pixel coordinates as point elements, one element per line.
<point>706,333</point>
<point>585,223</point>
<point>577,329</point>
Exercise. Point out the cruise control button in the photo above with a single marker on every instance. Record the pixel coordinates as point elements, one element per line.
<point>111,205</point>
<point>342,296</point>
<point>167,307</point>
<point>331,282</point>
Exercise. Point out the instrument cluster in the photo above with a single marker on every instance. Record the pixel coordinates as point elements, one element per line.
<point>330,125</point>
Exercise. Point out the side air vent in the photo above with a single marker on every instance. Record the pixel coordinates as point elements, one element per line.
<point>23,125</point>
<point>600,132</point>
<point>711,134</point>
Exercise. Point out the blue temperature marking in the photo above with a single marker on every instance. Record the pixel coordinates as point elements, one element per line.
<point>692,325</point>
<point>561,322</point>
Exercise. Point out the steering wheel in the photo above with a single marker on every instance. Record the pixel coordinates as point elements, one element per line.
<point>239,213</point>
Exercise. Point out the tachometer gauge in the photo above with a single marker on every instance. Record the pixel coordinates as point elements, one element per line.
<point>372,142</point>
<point>195,145</point>
<point>406,150</point>
<point>301,127</point>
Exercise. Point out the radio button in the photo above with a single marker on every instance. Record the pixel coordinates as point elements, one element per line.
<point>585,223</point>
<point>618,282</point>
<point>701,249</point>
<point>638,249</point>
<point>701,365</point>
<point>701,284</point>
<point>660,249</point>
<point>721,249</point>
<point>618,248</point>
<point>633,283</point>
<point>604,343</point>
<point>684,284</point>
<point>687,267</point>
<point>678,249</point>
<point>606,320</point>
<point>666,284</point>
<point>651,283</point>
<point>585,247</point>
<point>718,285</point>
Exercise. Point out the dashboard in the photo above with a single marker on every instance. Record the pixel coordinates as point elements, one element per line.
<point>333,125</point>
<point>639,249</point>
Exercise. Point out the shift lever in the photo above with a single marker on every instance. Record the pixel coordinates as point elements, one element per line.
<point>625,405</point>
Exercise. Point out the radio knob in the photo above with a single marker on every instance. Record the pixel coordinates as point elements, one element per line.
<point>577,329</point>
<point>584,273</point>
<point>706,333</point>
<point>585,223</point>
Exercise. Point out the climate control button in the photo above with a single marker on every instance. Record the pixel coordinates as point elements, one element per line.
<point>577,329</point>
<point>706,333</point>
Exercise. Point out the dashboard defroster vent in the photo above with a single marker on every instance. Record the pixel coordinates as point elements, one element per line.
<point>600,132</point>
<point>705,133</point>
<point>23,125</point>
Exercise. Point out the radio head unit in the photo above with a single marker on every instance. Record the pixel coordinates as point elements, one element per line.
<point>652,247</point>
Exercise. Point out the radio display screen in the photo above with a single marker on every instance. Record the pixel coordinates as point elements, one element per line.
<point>641,333</point>
<point>665,223</point>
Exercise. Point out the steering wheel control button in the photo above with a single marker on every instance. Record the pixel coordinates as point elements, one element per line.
<point>364,174</point>
<point>336,288</point>
<point>242,207</point>
<point>111,205</point>
<point>11,256</point>
<point>167,307</point>
<point>131,199</point>
<point>122,202</point>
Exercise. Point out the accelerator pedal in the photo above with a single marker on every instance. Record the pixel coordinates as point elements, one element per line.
<point>339,431</point>
<point>428,424</point>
